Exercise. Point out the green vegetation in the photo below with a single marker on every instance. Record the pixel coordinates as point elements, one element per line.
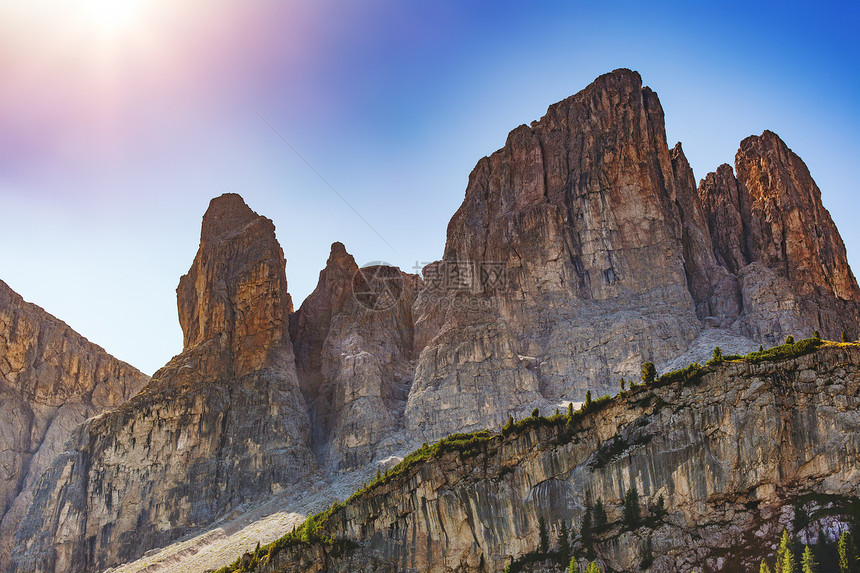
<point>563,543</point>
<point>600,521</point>
<point>543,535</point>
<point>649,373</point>
<point>807,562</point>
<point>573,567</point>
<point>632,511</point>
<point>844,336</point>
<point>847,554</point>
<point>586,534</point>
<point>789,340</point>
<point>647,554</point>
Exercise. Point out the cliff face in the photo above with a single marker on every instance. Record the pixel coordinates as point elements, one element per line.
<point>221,424</point>
<point>580,214</point>
<point>354,357</point>
<point>51,380</point>
<point>770,228</point>
<point>583,249</point>
<point>731,454</point>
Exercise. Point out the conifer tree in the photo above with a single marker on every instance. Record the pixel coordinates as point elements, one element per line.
<point>789,339</point>
<point>587,533</point>
<point>847,553</point>
<point>623,384</point>
<point>763,568</point>
<point>632,511</point>
<point>808,561</point>
<point>599,516</point>
<point>573,566</point>
<point>593,567</point>
<point>587,399</point>
<point>570,411</point>
<point>817,335</point>
<point>543,535</point>
<point>649,373</point>
<point>784,555</point>
<point>844,336</point>
<point>563,543</point>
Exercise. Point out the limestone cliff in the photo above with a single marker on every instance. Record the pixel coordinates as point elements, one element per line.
<point>731,451</point>
<point>770,228</point>
<point>354,360</point>
<point>221,424</point>
<point>51,380</point>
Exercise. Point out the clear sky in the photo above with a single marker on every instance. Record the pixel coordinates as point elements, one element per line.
<point>121,119</point>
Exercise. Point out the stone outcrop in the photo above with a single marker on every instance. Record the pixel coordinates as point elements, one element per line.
<point>51,380</point>
<point>731,454</point>
<point>223,423</point>
<point>354,359</point>
<point>770,228</point>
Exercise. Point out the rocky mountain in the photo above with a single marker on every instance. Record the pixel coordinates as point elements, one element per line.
<point>583,248</point>
<point>355,359</point>
<point>722,459</point>
<point>51,380</point>
<point>223,423</point>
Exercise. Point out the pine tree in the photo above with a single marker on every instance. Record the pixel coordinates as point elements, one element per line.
<point>587,399</point>
<point>760,348</point>
<point>543,534</point>
<point>817,335</point>
<point>632,511</point>
<point>570,411</point>
<point>587,533</point>
<point>599,516</point>
<point>718,355</point>
<point>808,561</point>
<point>784,555</point>
<point>563,543</point>
<point>847,553</point>
<point>593,567</point>
<point>623,384</point>
<point>647,555</point>
<point>789,339</point>
<point>844,336</point>
<point>510,423</point>
<point>763,568</point>
<point>573,566</point>
<point>535,413</point>
<point>649,373</point>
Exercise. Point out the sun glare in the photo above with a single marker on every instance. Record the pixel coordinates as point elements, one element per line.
<point>112,16</point>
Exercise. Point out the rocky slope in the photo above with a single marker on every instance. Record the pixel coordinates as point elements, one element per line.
<point>51,380</point>
<point>221,424</point>
<point>731,452</point>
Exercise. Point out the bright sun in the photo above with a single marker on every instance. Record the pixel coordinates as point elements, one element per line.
<point>113,15</point>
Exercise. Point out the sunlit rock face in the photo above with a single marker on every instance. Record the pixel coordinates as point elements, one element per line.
<point>51,380</point>
<point>770,228</point>
<point>221,424</point>
<point>731,455</point>
<point>611,257</point>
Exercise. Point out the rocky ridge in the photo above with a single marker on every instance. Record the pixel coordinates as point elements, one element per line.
<point>51,380</point>
<point>222,424</point>
<point>731,450</point>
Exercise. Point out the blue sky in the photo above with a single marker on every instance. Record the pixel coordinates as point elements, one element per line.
<point>116,131</point>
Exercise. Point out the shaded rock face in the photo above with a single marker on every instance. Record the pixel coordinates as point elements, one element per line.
<point>51,380</point>
<point>355,361</point>
<point>770,228</point>
<point>731,455</point>
<point>221,424</point>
